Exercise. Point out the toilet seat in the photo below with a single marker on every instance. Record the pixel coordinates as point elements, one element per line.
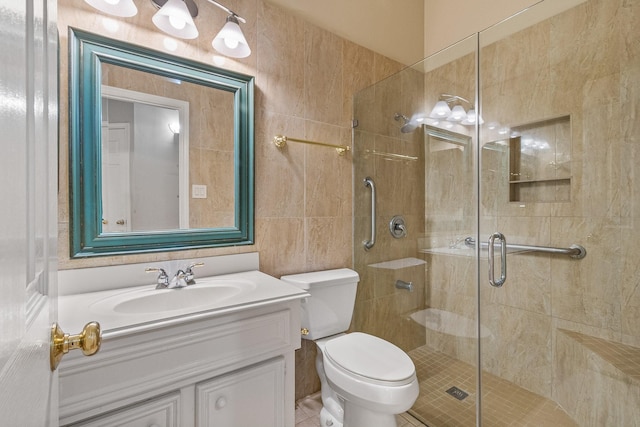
<point>370,359</point>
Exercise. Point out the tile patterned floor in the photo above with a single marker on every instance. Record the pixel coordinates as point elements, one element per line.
<point>504,403</point>
<point>308,414</point>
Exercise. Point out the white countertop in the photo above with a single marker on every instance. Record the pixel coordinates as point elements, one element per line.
<point>78,309</point>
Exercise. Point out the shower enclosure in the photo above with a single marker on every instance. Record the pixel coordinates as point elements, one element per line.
<point>513,160</point>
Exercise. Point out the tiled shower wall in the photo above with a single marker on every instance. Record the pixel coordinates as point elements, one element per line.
<point>584,63</point>
<point>305,78</point>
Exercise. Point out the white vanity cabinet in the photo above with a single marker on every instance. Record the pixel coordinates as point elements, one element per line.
<point>250,397</point>
<point>229,368</point>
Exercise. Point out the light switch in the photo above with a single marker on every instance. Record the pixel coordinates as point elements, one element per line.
<point>199,191</point>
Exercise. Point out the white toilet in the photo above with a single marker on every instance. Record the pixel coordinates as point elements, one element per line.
<point>365,380</point>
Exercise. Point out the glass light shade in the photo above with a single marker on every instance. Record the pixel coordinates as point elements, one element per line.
<point>440,111</point>
<point>471,118</point>
<point>230,41</point>
<point>174,18</point>
<point>122,8</point>
<point>457,114</point>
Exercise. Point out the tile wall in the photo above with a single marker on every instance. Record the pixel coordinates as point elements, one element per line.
<point>305,78</point>
<point>584,63</point>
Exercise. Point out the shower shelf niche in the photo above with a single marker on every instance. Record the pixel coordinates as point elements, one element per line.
<point>540,161</point>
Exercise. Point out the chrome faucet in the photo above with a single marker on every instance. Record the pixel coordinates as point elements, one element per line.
<point>181,279</point>
<point>162,282</point>
<point>189,276</point>
<point>178,280</point>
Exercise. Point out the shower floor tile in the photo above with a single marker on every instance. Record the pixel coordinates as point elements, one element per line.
<point>504,403</point>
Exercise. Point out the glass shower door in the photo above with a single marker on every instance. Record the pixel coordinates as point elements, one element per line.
<point>419,290</point>
<point>525,183</point>
<point>558,163</point>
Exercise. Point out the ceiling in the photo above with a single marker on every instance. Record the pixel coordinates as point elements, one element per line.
<point>390,27</point>
<point>410,30</point>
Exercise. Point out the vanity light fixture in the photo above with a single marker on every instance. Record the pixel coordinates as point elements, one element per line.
<point>122,8</point>
<point>175,17</point>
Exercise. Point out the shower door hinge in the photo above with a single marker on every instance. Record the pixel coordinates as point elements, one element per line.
<point>354,123</point>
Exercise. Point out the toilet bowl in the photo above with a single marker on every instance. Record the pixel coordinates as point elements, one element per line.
<point>365,380</point>
<point>376,379</point>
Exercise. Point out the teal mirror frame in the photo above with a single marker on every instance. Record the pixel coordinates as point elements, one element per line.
<point>86,52</point>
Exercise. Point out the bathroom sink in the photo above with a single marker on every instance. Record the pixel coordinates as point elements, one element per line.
<point>209,292</point>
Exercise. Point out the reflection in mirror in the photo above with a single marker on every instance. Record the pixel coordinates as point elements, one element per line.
<point>161,151</point>
<point>145,158</point>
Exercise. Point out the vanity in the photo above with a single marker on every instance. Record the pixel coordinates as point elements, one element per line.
<point>217,353</point>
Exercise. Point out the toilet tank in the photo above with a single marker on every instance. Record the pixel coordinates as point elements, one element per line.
<point>329,309</point>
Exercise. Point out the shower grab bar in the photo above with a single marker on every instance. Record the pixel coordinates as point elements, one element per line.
<point>574,251</point>
<point>368,244</point>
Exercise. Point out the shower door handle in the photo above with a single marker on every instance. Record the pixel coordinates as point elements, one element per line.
<point>368,244</point>
<point>503,260</point>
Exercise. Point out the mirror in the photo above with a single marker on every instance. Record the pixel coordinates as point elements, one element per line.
<point>161,151</point>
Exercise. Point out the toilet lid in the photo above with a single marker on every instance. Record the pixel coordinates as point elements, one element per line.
<point>370,357</point>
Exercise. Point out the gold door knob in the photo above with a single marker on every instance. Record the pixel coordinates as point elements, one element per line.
<point>88,341</point>
<point>120,222</point>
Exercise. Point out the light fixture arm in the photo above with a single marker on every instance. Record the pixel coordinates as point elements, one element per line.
<point>229,11</point>
<point>449,99</point>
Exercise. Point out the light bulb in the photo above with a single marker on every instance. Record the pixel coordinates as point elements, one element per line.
<point>177,22</point>
<point>231,42</point>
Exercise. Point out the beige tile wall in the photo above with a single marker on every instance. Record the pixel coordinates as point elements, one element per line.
<point>305,78</point>
<point>584,63</point>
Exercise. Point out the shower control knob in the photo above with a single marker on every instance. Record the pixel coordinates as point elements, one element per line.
<point>397,227</point>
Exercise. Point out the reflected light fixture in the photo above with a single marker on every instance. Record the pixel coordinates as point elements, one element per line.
<point>122,8</point>
<point>457,114</point>
<point>443,110</point>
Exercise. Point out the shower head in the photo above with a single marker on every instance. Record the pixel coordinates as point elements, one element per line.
<point>408,125</point>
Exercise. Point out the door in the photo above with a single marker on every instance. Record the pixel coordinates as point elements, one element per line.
<point>116,186</point>
<point>557,172</point>
<point>28,230</point>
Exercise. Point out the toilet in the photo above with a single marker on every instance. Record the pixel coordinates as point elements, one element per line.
<point>365,380</point>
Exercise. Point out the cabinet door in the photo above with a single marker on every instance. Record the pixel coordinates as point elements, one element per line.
<point>249,397</point>
<point>161,412</point>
